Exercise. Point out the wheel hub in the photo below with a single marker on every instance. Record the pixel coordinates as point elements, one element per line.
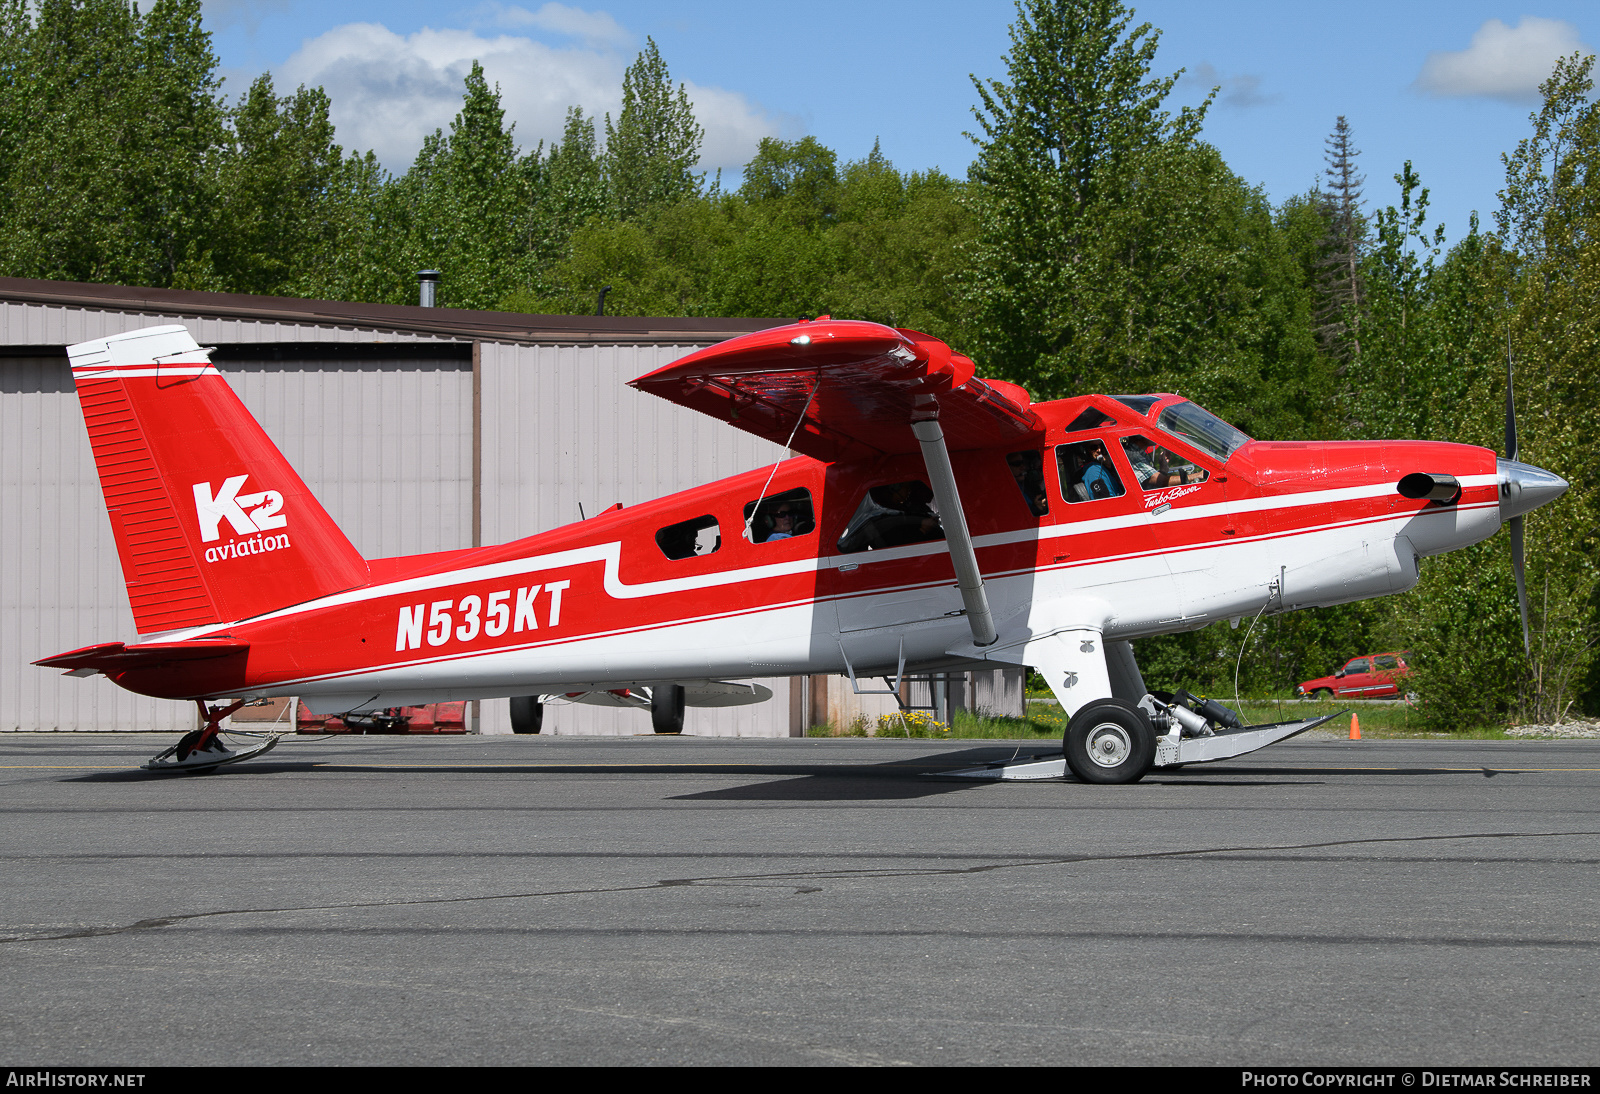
<point>1109,745</point>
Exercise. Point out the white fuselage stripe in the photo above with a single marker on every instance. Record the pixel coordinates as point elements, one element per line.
<point>610,554</point>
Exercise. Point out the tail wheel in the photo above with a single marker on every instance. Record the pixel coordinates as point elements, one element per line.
<point>527,714</point>
<point>666,708</point>
<point>1110,741</point>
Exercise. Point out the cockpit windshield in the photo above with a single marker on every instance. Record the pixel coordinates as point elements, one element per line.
<point>1202,429</point>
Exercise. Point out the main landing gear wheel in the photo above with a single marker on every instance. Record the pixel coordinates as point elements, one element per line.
<point>666,708</point>
<point>1110,741</point>
<point>527,714</point>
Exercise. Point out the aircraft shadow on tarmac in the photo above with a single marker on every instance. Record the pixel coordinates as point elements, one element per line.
<point>896,780</point>
<point>913,777</point>
<point>137,775</point>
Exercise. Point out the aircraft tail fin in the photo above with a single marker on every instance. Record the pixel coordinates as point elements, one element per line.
<point>211,522</point>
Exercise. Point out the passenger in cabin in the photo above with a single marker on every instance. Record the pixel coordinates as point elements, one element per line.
<point>782,525</point>
<point>784,516</point>
<point>1097,475</point>
<point>687,539</point>
<point>893,515</point>
<point>1028,469</point>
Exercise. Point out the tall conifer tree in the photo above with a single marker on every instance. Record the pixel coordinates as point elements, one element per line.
<point>1342,296</point>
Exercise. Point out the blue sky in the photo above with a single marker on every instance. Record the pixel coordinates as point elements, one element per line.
<point>1447,85</point>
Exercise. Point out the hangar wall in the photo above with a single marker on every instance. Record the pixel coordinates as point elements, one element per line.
<point>562,428</point>
<point>379,421</point>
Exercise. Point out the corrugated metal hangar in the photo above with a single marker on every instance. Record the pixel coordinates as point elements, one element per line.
<point>419,429</point>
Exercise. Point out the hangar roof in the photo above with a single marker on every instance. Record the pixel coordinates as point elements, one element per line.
<point>487,326</point>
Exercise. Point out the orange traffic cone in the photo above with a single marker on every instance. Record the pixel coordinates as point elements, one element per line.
<point>1355,727</point>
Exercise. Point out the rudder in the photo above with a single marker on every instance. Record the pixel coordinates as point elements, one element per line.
<point>212,524</point>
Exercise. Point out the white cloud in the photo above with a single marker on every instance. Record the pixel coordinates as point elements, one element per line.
<point>594,28</point>
<point>734,127</point>
<point>388,92</point>
<point>1237,92</point>
<point>1502,62</point>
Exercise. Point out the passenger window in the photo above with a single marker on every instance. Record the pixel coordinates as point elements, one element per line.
<point>1358,665</point>
<point>1383,663</point>
<point>892,515</point>
<point>1027,468</point>
<point>699,536</point>
<point>782,516</point>
<point>1090,419</point>
<point>1156,467</point>
<point>1087,473</point>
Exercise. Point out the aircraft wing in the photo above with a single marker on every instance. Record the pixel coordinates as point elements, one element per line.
<point>857,383</point>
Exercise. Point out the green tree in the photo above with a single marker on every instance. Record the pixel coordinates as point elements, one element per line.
<point>465,202</point>
<point>899,240</point>
<point>114,132</point>
<point>286,193</point>
<point>1341,306</point>
<point>1395,375</point>
<point>1532,292</point>
<point>1064,146</point>
<point>568,188</point>
<point>801,175</point>
<point>652,150</point>
<point>1556,342</point>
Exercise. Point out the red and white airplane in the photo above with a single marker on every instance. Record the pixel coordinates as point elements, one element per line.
<point>933,521</point>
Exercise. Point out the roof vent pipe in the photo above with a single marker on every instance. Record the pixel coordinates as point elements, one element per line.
<point>427,287</point>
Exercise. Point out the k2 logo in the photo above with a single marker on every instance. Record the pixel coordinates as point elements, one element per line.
<point>230,505</point>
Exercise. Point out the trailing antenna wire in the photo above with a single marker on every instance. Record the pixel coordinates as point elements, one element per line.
<point>1276,593</point>
<point>754,509</point>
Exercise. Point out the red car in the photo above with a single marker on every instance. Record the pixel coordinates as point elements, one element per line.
<point>1370,676</point>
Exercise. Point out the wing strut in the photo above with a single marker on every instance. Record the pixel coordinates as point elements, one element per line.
<point>925,425</point>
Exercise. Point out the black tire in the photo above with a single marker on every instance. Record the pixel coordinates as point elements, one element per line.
<point>527,714</point>
<point>666,708</point>
<point>1110,741</point>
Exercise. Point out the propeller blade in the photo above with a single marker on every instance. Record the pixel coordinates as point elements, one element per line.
<point>1511,409</point>
<point>1516,522</point>
<point>1522,583</point>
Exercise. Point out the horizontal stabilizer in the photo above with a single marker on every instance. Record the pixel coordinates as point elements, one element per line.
<point>118,657</point>
<point>856,383</point>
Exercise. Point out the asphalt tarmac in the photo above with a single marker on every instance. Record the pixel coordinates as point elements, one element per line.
<point>496,900</point>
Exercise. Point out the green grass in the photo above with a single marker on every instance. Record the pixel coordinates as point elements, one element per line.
<point>1045,721</point>
<point>1379,721</point>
